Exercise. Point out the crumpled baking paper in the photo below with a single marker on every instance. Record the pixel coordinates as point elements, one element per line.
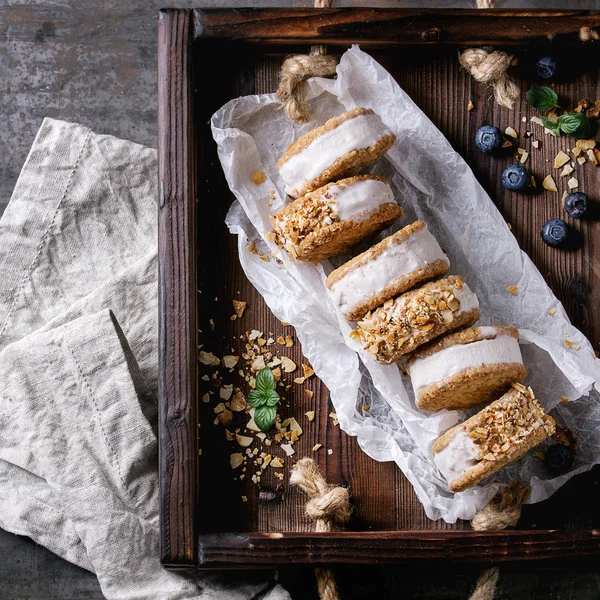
<point>433,183</point>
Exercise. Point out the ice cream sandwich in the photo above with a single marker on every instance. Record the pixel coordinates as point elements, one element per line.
<point>414,318</point>
<point>333,218</point>
<point>466,368</point>
<point>496,436</point>
<point>393,266</point>
<point>345,145</point>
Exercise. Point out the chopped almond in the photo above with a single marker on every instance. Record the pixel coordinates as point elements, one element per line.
<point>288,365</point>
<point>276,463</point>
<point>225,417</point>
<point>511,132</point>
<point>299,380</point>
<point>289,342</point>
<point>310,415</point>
<point>238,402</point>
<point>549,184</point>
<point>535,143</point>
<point>317,446</point>
<point>235,460</point>
<point>567,170</point>
<point>309,394</point>
<point>513,289</point>
<point>560,159</point>
<point>206,398</point>
<point>308,372</point>
<point>573,183</point>
<point>208,358</point>
<point>552,312</point>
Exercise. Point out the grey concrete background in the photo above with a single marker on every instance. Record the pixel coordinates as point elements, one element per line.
<point>94,62</point>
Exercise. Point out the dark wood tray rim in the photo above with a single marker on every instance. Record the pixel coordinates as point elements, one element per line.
<point>179,29</point>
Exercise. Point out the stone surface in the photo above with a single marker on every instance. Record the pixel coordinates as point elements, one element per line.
<point>94,62</point>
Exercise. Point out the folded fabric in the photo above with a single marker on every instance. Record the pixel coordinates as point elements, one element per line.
<point>78,365</point>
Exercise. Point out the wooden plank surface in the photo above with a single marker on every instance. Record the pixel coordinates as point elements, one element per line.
<point>266,550</point>
<point>383,498</point>
<point>389,27</point>
<point>177,291</point>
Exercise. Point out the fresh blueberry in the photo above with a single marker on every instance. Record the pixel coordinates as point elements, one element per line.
<point>516,178</point>
<point>559,459</point>
<point>488,139</point>
<point>546,67</point>
<point>555,233</point>
<point>576,204</point>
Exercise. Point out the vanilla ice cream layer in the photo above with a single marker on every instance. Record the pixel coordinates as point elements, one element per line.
<point>353,134</point>
<point>397,260</point>
<point>359,199</point>
<point>467,298</point>
<point>458,358</point>
<point>457,457</point>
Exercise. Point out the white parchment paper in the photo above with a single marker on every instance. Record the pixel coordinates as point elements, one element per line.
<point>433,183</point>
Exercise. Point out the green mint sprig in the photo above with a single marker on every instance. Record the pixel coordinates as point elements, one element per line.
<point>570,123</point>
<point>264,399</point>
<point>542,98</point>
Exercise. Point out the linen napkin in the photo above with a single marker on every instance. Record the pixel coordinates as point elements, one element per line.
<point>79,366</point>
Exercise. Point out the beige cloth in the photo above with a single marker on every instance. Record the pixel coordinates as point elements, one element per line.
<point>78,366</point>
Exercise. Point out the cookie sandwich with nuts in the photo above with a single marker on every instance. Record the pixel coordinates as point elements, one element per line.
<point>333,218</point>
<point>466,368</point>
<point>496,436</point>
<point>414,318</point>
<point>345,145</point>
<point>398,263</point>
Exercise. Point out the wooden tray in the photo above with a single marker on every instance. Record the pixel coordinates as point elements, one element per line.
<point>207,57</point>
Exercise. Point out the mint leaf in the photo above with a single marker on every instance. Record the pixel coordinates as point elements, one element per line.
<point>265,380</point>
<point>272,398</point>
<point>256,398</point>
<point>542,98</point>
<point>264,417</point>
<point>553,126</point>
<point>584,131</point>
<point>571,122</point>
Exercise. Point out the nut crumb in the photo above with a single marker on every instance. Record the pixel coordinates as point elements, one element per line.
<point>564,400</point>
<point>316,447</point>
<point>329,451</point>
<point>509,131</point>
<point>235,460</point>
<point>549,184</point>
<point>309,393</point>
<point>257,177</point>
<point>239,307</point>
<point>552,311</point>
<point>470,106</point>
<point>513,289</point>
<point>310,415</point>
<point>573,183</point>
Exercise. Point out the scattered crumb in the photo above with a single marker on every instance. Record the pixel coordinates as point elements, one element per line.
<point>206,398</point>
<point>329,451</point>
<point>257,177</point>
<point>276,463</point>
<point>239,308</point>
<point>310,415</point>
<point>513,289</point>
<point>230,361</point>
<point>470,106</point>
<point>235,460</point>
<point>208,358</point>
<point>244,499</point>
<point>317,446</point>
<point>309,394</point>
<point>243,440</point>
<point>581,160</point>
<point>570,344</point>
<point>552,312</point>
<point>573,183</point>
<point>567,170</point>
<point>226,391</point>
<point>509,131</point>
<point>308,372</point>
<point>535,143</point>
<point>560,159</point>
<point>524,157</point>
<point>564,400</point>
<point>288,365</point>
<point>300,380</point>
<point>549,184</point>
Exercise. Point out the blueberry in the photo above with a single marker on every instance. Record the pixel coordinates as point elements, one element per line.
<point>555,233</point>
<point>576,204</point>
<point>546,67</point>
<point>559,459</point>
<point>488,139</point>
<point>516,178</point>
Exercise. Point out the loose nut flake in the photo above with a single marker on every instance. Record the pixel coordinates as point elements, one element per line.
<point>243,440</point>
<point>308,372</point>
<point>257,177</point>
<point>552,311</point>
<point>208,358</point>
<point>239,308</point>
<point>310,415</point>
<point>511,132</point>
<point>287,448</point>
<point>226,391</point>
<point>513,289</point>
<point>309,394</point>
<point>560,159</point>
<point>573,183</point>
<point>568,169</point>
<point>288,365</point>
<point>230,361</point>
<point>535,143</point>
<point>235,460</point>
<point>276,463</point>
<point>238,402</point>
<point>549,184</point>
<point>316,447</point>
<point>470,106</point>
